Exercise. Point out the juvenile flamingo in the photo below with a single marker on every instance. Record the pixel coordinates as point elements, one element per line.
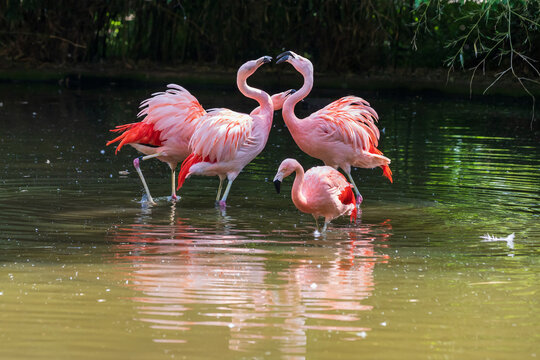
<point>321,191</point>
<point>226,141</point>
<point>342,134</point>
<point>170,120</point>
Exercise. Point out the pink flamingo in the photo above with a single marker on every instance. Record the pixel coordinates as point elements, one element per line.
<point>226,141</point>
<point>170,120</point>
<point>342,134</point>
<point>321,191</point>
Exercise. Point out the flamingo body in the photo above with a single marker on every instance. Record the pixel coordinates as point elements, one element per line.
<point>170,118</point>
<point>322,191</point>
<point>225,141</point>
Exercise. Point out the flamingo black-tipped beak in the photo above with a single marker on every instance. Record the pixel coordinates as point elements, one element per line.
<point>284,56</point>
<point>277,184</point>
<point>290,53</point>
<point>282,59</point>
<point>266,59</point>
<point>292,91</point>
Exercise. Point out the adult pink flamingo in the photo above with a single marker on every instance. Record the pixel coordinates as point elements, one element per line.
<point>342,134</point>
<point>170,120</point>
<point>226,141</point>
<point>322,191</point>
<point>171,117</point>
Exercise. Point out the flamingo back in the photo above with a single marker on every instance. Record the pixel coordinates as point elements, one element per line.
<point>329,191</point>
<point>350,120</point>
<point>220,133</point>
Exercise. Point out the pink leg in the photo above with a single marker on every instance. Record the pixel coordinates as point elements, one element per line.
<point>174,198</point>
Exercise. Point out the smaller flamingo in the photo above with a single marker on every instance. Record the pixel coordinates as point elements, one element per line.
<point>322,191</point>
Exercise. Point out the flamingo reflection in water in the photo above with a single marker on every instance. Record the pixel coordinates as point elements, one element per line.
<point>188,277</point>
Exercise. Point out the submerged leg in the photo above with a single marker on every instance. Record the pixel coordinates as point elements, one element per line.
<point>359,197</point>
<point>137,167</point>
<point>325,225</point>
<point>222,202</point>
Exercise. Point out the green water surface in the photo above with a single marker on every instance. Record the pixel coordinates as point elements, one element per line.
<point>87,271</point>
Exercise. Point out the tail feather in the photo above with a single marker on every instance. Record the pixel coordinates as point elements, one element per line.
<point>191,160</point>
<point>386,169</point>
<point>387,172</point>
<point>184,168</point>
<point>136,132</point>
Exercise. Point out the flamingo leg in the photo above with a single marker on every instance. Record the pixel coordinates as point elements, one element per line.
<point>151,156</point>
<point>222,202</point>
<point>219,189</point>
<point>325,226</point>
<point>173,191</point>
<point>137,167</point>
<point>316,222</point>
<point>136,164</point>
<point>359,197</point>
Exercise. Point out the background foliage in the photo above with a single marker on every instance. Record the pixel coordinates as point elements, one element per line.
<point>338,35</point>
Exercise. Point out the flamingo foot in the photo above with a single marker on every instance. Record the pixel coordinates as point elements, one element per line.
<point>145,201</point>
<point>222,205</point>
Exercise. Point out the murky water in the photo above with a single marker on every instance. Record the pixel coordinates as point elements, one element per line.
<point>87,271</point>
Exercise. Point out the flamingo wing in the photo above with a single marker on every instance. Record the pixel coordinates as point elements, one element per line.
<point>349,120</point>
<point>220,134</point>
<point>324,178</point>
<point>165,113</point>
<point>327,179</point>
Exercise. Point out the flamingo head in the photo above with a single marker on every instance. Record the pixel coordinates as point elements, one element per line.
<point>251,66</point>
<point>287,167</point>
<point>279,98</point>
<point>300,63</point>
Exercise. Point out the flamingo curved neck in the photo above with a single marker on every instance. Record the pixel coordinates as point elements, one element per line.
<point>264,100</point>
<point>297,195</point>
<point>288,106</point>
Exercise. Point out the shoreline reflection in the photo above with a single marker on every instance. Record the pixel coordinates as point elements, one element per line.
<point>267,291</point>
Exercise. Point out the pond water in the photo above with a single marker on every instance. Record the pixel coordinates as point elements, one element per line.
<point>88,271</point>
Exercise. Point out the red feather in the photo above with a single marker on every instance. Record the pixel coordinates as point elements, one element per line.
<point>347,196</point>
<point>186,165</point>
<point>386,169</point>
<point>353,215</point>
<point>387,172</point>
<point>139,132</point>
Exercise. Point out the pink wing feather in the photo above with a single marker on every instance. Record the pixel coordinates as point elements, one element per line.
<point>333,182</point>
<point>174,109</point>
<point>350,120</point>
<point>165,114</point>
<point>220,133</point>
